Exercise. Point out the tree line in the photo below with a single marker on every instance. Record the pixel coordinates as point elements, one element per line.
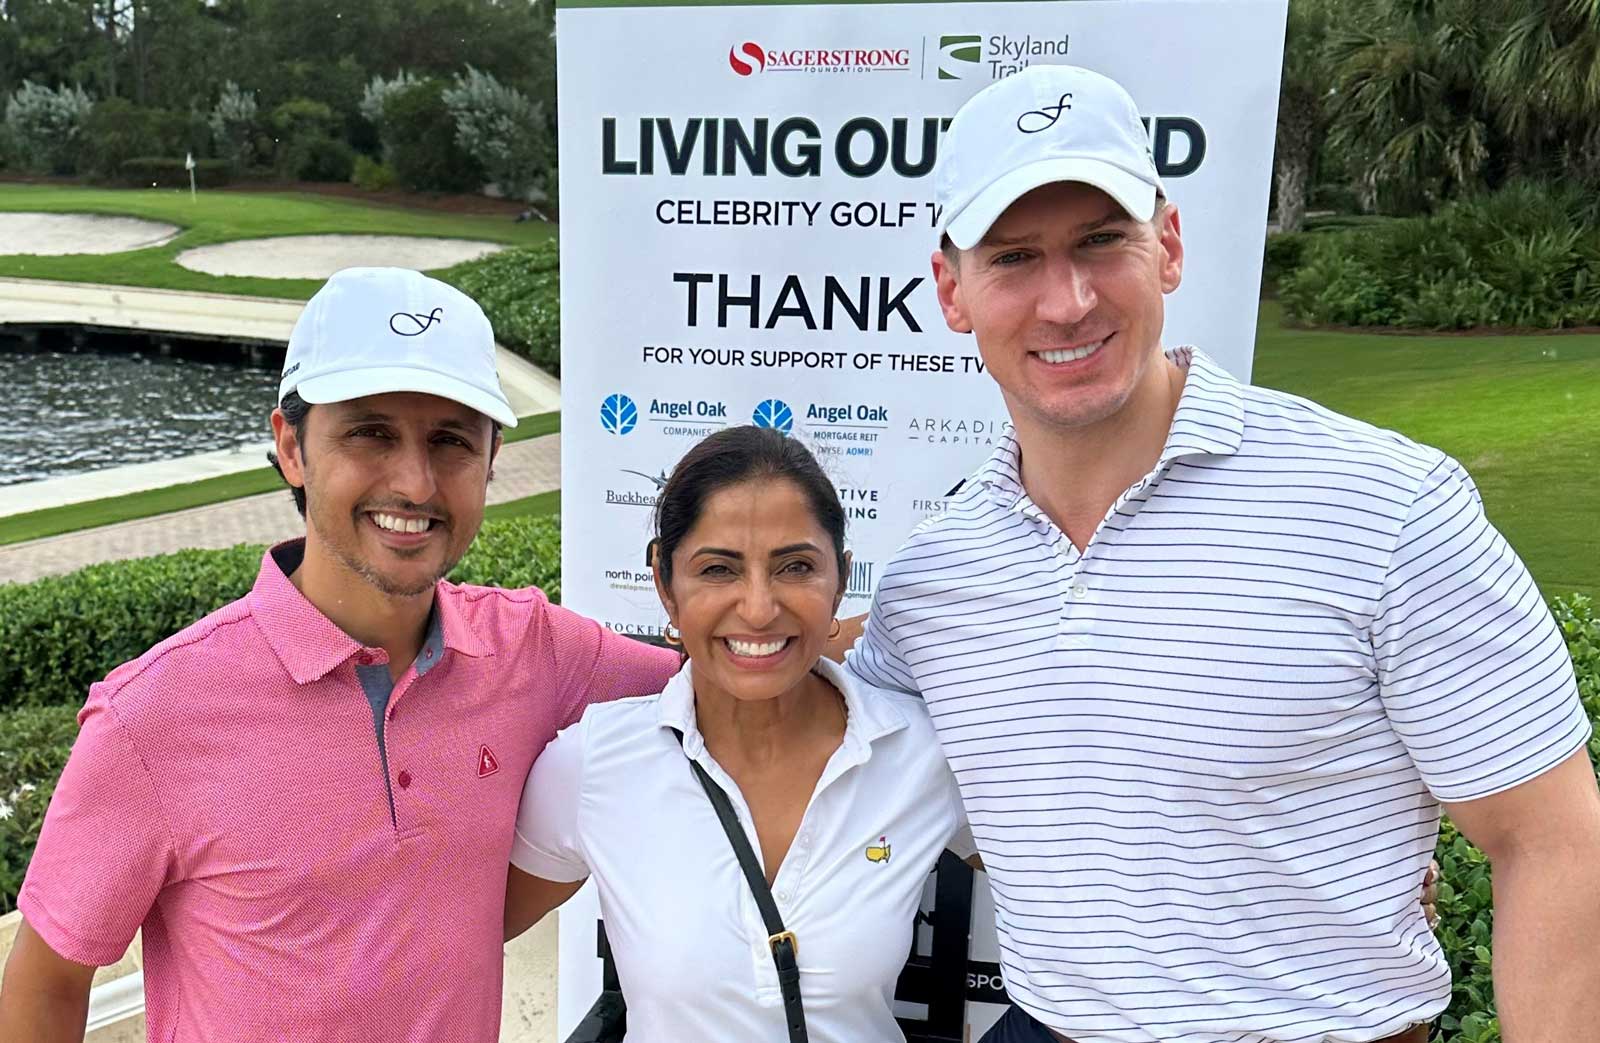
<point>1397,106</point>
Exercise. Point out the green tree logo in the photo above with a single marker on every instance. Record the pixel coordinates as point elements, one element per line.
<point>958,55</point>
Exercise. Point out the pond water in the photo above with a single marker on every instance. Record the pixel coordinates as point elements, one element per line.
<point>65,412</point>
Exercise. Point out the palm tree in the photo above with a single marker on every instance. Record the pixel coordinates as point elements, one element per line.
<point>1410,109</point>
<point>1303,107</point>
<point>1544,79</point>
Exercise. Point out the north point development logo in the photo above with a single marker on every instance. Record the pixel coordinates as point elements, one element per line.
<point>775,414</point>
<point>619,415</point>
<point>748,58</point>
<point>960,56</point>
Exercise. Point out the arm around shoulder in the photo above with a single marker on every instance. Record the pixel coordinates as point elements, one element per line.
<point>547,858</point>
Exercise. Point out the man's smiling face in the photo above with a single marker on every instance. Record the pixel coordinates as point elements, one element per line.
<point>395,485</point>
<point>1065,297</point>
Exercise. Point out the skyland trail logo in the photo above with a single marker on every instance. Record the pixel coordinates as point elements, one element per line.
<point>969,56</point>
<point>960,56</point>
<point>749,58</point>
<point>619,415</point>
<point>775,414</point>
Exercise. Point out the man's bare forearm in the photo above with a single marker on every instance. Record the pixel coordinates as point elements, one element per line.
<point>1546,960</point>
<point>43,1017</point>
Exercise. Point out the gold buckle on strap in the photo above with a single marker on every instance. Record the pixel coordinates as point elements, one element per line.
<point>788,936</point>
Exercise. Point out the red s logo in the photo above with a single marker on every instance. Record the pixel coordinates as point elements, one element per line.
<point>751,51</point>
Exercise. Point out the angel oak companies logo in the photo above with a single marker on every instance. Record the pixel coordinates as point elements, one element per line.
<point>749,58</point>
<point>618,414</point>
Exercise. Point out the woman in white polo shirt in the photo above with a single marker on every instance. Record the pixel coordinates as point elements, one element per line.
<point>840,789</point>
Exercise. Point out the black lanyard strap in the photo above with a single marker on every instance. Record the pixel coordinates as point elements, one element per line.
<point>780,940</point>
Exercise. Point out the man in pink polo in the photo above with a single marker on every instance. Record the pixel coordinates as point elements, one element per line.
<point>306,799</point>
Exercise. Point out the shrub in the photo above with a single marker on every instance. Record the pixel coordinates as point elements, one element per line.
<point>376,97</point>
<point>502,130</point>
<point>118,130</point>
<point>1527,256</point>
<point>60,634</point>
<point>419,137</point>
<point>370,175</point>
<point>1283,254</point>
<point>520,292</point>
<point>515,552</point>
<point>46,126</point>
<point>32,753</point>
<point>234,127</point>
<point>170,172</point>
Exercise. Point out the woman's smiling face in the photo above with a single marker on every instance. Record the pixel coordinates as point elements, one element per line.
<point>755,585</point>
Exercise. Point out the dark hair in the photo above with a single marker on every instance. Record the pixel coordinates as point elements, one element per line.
<point>729,457</point>
<point>295,410</point>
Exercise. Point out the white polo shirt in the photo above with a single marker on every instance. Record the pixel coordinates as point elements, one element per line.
<point>614,797</point>
<point>1203,759</point>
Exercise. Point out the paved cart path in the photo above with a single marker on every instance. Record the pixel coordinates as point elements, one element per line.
<point>523,469</point>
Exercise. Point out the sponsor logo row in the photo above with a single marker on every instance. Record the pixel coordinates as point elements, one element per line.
<point>951,56</point>
<point>851,426</point>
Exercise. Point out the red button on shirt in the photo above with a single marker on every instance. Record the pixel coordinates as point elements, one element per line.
<point>404,779</point>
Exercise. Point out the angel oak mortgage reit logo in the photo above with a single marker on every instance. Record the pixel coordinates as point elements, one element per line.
<point>749,58</point>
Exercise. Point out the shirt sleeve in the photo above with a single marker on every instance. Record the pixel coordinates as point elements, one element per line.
<point>875,658</point>
<point>594,664</point>
<point>105,849</point>
<point>961,841</point>
<point>1473,673</point>
<point>546,843</point>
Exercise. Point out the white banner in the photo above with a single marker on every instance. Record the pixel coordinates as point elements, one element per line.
<point>747,218</point>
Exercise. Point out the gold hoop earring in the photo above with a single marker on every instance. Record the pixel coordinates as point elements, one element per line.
<point>675,640</point>
<point>837,629</point>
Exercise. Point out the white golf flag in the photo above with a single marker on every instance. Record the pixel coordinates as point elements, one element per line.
<point>188,161</point>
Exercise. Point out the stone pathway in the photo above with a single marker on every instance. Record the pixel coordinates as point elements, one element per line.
<point>523,469</point>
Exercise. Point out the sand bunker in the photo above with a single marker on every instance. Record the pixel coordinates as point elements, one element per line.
<point>319,256</point>
<point>57,234</point>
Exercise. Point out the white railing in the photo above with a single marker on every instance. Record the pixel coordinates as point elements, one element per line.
<point>116,1001</point>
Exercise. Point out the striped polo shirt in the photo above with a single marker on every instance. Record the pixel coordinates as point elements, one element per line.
<point>1203,758</point>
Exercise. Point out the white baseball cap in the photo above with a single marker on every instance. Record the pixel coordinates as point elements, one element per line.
<point>371,331</point>
<point>1044,124</point>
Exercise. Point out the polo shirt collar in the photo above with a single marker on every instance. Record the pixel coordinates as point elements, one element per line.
<point>867,717</point>
<point>309,645</point>
<point>1209,421</point>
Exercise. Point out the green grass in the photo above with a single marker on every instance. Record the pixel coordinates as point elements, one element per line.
<point>1519,412</point>
<point>220,216</point>
<point>539,503</point>
<point>73,517</point>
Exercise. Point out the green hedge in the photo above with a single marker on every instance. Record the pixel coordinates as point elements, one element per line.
<point>1526,257</point>
<point>58,635</point>
<point>170,172</point>
<point>520,291</point>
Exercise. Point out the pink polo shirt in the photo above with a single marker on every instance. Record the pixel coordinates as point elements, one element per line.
<point>296,877</point>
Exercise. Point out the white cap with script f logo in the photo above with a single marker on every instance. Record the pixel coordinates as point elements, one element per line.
<point>1047,123</point>
<point>371,331</point>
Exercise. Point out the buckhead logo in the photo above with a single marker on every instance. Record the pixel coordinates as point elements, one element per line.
<point>751,51</point>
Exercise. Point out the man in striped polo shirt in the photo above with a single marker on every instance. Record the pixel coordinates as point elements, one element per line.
<point>1209,660</point>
